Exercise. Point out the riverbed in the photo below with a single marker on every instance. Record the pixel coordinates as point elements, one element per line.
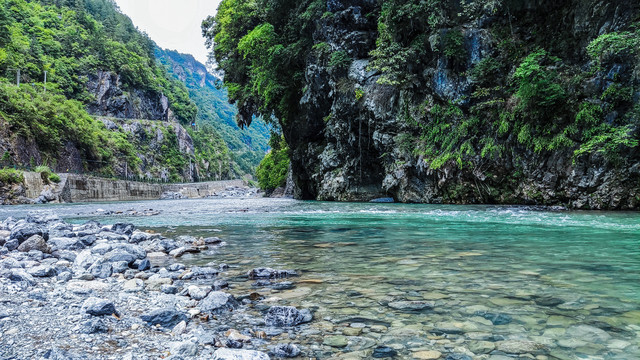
<point>420,280</point>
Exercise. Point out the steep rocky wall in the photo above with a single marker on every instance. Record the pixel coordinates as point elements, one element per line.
<point>114,101</point>
<point>347,143</point>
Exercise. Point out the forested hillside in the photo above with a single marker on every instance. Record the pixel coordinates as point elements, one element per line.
<point>107,106</point>
<point>497,101</point>
<point>215,115</point>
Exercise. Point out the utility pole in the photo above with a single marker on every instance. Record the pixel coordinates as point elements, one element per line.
<point>18,78</point>
<point>45,81</point>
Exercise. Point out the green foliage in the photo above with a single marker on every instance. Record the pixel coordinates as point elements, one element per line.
<point>272,171</point>
<point>486,71</point>
<point>339,60</point>
<point>53,177</point>
<point>218,138</point>
<point>73,40</point>
<point>261,46</point>
<point>359,93</point>
<point>454,47</point>
<point>609,141</point>
<point>539,87</point>
<point>403,30</point>
<point>52,120</point>
<point>11,176</point>
<point>615,46</point>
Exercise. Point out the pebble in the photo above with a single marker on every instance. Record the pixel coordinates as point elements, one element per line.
<point>427,355</point>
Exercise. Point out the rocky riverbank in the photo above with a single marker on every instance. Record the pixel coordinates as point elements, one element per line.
<point>92,291</point>
<point>114,292</point>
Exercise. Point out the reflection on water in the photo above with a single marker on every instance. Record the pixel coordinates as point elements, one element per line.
<point>567,281</point>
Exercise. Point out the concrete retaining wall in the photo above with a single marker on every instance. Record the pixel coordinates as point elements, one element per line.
<point>81,188</point>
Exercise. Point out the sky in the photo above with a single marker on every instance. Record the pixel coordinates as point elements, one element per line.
<point>172,24</point>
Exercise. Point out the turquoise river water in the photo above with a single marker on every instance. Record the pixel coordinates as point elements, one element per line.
<point>500,280</point>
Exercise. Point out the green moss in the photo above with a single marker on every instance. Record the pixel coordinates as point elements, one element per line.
<point>454,47</point>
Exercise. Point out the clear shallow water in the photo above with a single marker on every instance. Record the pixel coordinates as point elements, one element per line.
<point>567,280</point>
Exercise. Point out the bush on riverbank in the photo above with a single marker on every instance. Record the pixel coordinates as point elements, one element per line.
<point>11,176</point>
<point>272,171</point>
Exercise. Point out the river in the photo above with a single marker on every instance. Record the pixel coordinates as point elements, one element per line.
<point>566,281</point>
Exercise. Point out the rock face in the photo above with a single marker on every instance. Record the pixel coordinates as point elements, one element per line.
<point>350,140</point>
<point>111,100</point>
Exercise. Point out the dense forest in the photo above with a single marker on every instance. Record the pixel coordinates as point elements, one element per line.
<point>499,101</point>
<point>94,98</point>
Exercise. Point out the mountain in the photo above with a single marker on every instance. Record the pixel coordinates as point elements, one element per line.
<point>92,98</point>
<point>249,145</point>
<point>500,101</point>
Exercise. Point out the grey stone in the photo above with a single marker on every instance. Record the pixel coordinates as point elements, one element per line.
<point>280,316</point>
<point>98,307</point>
<point>184,348</point>
<point>101,269</point>
<point>166,317</point>
<point>411,305</point>
<point>19,275</point>
<point>36,242</point>
<point>169,289</point>
<point>144,265</point>
<point>94,326</point>
<point>197,292</point>
<point>236,354</point>
<point>119,267</point>
<point>285,351</point>
<point>269,273</point>
<point>43,271</point>
<point>12,244</point>
<point>217,302</point>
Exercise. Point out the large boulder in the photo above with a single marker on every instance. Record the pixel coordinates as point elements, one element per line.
<point>27,230</point>
<point>36,242</point>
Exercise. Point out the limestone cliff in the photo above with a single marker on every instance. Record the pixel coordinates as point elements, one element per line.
<point>512,104</point>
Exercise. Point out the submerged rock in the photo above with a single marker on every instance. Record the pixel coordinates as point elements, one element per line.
<point>269,273</point>
<point>411,305</point>
<point>280,316</point>
<point>285,351</point>
<point>236,354</point>
<point>383,352</point>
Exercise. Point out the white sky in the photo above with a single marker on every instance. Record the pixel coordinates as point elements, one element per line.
<point>172,24</point>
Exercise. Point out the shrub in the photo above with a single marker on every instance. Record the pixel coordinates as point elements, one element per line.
<point>339,60</point>
<point>615,46</point>
<point>53,177</point>
<point>272,171</point>
<point>11,176</point>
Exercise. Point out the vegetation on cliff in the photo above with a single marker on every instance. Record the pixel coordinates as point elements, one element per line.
<point>273,169</point>
<point>449,96</point>
<point>77,43</point>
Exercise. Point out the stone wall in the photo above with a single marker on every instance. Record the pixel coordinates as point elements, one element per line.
<point>81,188</point>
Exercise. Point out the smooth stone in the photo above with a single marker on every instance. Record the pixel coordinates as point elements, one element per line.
<point>198,293</point>
<point>237,354</point>
<point>411,305</point>
<point>588,333</point>
<point>458,357</point>
<point>351,331</point>
<point>481,347</point>
<point>518,346</point>
<point>184,348</point>
<point>133,285</point>
<point>337,341</point>
<point>427,355</point>
<point>383,352</point>
<point>269,273</point>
